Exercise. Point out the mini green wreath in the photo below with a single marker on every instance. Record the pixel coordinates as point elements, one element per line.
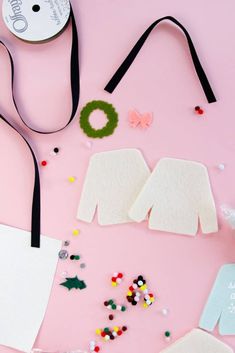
<point>110,113</point>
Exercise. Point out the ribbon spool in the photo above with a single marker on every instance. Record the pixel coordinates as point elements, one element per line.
<point>36,20</point>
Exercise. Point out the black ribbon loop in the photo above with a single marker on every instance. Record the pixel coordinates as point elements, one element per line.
<point>112,84</point>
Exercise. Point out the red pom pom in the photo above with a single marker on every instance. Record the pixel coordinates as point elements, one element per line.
<point>120,275</point>
<point>119,333</point>
<point>97,349</point>
<point>114,279</point>
<point>44,163</point>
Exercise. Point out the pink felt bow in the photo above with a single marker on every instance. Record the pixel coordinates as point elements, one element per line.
<point>144,120</point>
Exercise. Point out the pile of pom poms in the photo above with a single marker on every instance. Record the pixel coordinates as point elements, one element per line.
<point>111,304</point>
<point>116,279</point>
<point>111,333</point>
<point>139,289</point>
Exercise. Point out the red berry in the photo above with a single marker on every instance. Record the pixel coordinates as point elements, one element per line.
<point>44,163</point>
<point>97,349</point>
<point>120,275</point>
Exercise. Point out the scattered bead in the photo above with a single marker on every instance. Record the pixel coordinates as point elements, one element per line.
<point>64,274</point>
<point>116,279</point>
<point>75,257</point>
<point>83,265</point>
<point>56,150</point>
<point>167,335</point>
<point>199,110</point>
<point>111,317</point>
<point>221,166</point>
<point>71,179</point>
<point>63,254</point>
<point>43,163</point>
<point>66,243</point>
<point>165,311</point>
<point>76,232</point>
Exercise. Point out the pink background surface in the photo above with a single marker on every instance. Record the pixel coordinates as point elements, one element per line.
<point>180,270</point>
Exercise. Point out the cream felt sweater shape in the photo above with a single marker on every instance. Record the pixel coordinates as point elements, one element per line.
<point>198,341</point>
<point>178,193</point>
<point>112,183</point>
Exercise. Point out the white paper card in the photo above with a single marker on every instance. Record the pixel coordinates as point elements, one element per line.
<point>26,278</point>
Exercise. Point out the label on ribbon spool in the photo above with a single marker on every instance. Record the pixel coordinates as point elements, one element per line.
<point>35,20</point>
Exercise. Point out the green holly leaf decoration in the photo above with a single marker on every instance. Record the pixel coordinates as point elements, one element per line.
<point>73,282</point>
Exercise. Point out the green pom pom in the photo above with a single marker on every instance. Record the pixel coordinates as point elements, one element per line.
<point>110,113</point>
<point>123,308</point>
<point>114,306</point>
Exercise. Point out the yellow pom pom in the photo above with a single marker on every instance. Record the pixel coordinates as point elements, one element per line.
<point>116,328</point>
<point>76,232</point>
<point>143,287</point>
<point>98,331</point>
<point>152,299</point>
<point>129,293</point>
<point>114,284</point>
<point>71,179</point>
<point>145,305</point>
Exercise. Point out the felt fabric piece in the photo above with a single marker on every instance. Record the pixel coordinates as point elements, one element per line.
<point>26,277</point>
<point>73,282</point>
<point>112,183</point>
<point>178,192</point>
<point>220,305</point>
<point>198,341</point>
<point>142,120</point>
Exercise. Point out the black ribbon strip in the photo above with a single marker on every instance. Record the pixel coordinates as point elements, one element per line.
<point>112,84</point>
<point>75,91</point>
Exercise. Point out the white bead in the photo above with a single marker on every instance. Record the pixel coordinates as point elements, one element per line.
<point>109,307</point>
<point>114,333</point>
<point>118,280</point>
<point>140,283</point>
<point>138,294</point>
<point>119,307</point>
<point>92,343</point>
<point>221,166</point>
<point>148,302</point>
<point>106,337</point>
<point>134,285</point>
<point>165,311</point>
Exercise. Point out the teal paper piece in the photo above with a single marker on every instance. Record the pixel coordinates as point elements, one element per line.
<point>220,306</point>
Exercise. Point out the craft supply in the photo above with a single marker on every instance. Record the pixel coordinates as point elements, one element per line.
<point>142,120</point>
<point>165,312</point>
<point>111,116</point>
<point>43,163</point>
<point>75,90</point>
<point>111,305</point>
<point>75,257</point>
<point>221,166</point>
<point>94,347</point>
<point>113,181</point>
<point>76,232</point>
<point>35,21</point>
<point>198,341</point>
<point>82,265</point>
<point>26,278</point>
<point>220,306</point>
<point>116,279</point>
<point>63,254</point>
<point>199,110</point>
<point>73,282</point>
<point>111,333</point>
<point>167,335</point>
<point>229,215</point>
<point>177,202</point>
<point>117,77</point>
<point>71,179</point>
<point>137,290</point>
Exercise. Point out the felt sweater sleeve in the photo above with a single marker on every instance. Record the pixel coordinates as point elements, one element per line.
<point>88,201</point>
<point>214,305</point>
<point>144,201</point>
<point>207,209</point>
